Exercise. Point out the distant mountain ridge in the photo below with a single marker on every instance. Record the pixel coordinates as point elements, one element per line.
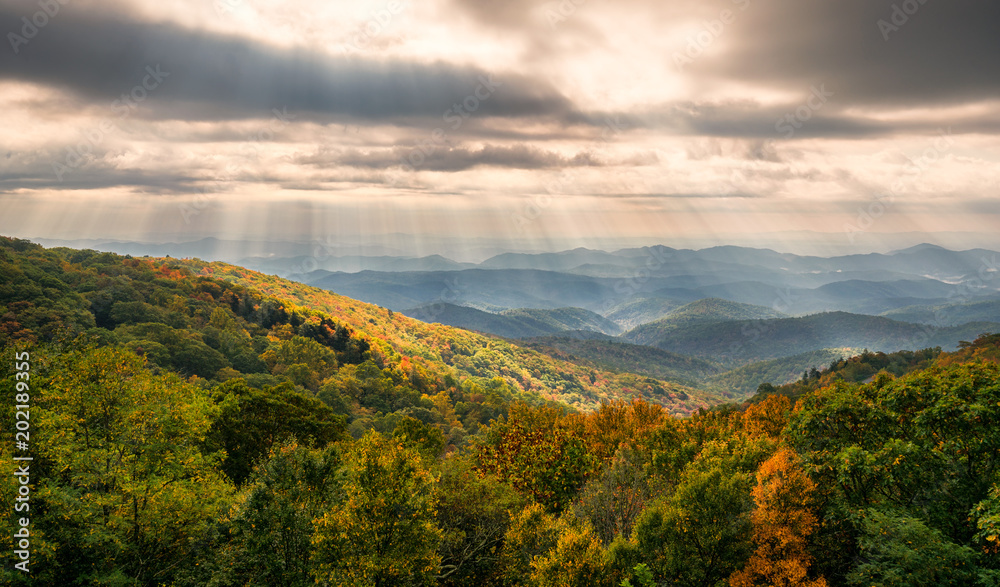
<point>698,312</point>
<point>635,286</point>
<point>631,286</point>
<point>518,323</point>
<point>757,340</point>
<point>744,381</point>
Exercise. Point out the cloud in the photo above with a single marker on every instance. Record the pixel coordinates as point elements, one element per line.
<point>516,156</point>
<point>750,119</point>
<point>886,53</point>
<point>207,76</point>
<point>801,119</point>
<point>101,177</point>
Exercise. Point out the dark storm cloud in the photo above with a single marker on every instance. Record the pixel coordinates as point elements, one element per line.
<point>198,75</point>
<point>874,52</point>
<point>804,119</point>
<point>881,53</point>
<point>67,167</point>
<point>809,118</point>
<point>454,158</point>
<point>100,177</point>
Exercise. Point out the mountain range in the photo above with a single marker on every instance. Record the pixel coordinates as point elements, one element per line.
<point>720,319</point>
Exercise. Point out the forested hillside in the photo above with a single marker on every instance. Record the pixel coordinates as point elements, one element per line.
<point>200,424</point>
<point>216,321</point>
<point>740,342</point>
<point>706,311</point>
<point>517,323</point>
<point>467,353</point>
<point>623,356</point>
<point>744,381</point>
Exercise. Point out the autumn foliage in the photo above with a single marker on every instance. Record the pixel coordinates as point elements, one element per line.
<point>783,520</point>
<point>198,424</point>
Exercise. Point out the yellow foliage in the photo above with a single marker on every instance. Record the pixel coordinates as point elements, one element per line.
<point>767,418</point>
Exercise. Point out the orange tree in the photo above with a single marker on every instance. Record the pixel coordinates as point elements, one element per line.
<point>782,523</point>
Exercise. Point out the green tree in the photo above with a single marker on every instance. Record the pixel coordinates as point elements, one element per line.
<point>701,533</point>
<point>427,439</point>
<point>474,513</point>
<point>251,421</point>
<point>128,497</point>
<point>899,550</point>
<point>533,533</point>
<point>382,533</point>
<point>303,360</point>
<point>272,519</point>
<point>613,500</point>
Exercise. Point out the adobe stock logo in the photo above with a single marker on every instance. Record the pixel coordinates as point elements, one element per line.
<point>455,116</point>
<point>788,124</point>
<point>39,20</point>
<point>900,16</point>
<point>380,20</point>
<point>81,153</point>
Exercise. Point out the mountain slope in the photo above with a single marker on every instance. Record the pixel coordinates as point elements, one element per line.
<point>700,312</point>
<point>641,311</point>
<point>622,356</point>
<point>948,314</point>
<point>519,323</point>
<point>508,288</point>
<point>215,322</point>
<point>743,381</point>
<point>561,319</point>
<point>756,340</point>
<point>465,353</point>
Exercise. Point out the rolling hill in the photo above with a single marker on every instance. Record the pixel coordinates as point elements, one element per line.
<point>637,286</point>
<point>445,349</point>
<point>743,381</point>
<point>519,323</point>
<point>622,356</point>
<point>948,314</point>
<point>216,322</point>
<point>745,341</point>
<point>640,311</point>
<point>700,312</point>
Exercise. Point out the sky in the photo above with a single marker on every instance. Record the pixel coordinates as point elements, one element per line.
<point>847,125</point>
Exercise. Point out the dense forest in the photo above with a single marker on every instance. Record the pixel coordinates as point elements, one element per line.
<point>196,423</point>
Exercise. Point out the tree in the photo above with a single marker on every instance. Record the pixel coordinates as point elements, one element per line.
<point>701,533</point>
<point>578,560</point>
<point>540,452</point>
<point>427,439</point>
<point>612,501</point>
<point>768,417</point>
<point>305,361</point>
<point>987,516</point>
<point>251,421</point>
<point>474,513</point>
<point>782,523</point>
<point>382,533</point>
<point>130,495</point>
<point>533,533</point>
<point>272,519</point>
<point>616,423</point>
<point>188,354</point>
<point>899,550</point>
